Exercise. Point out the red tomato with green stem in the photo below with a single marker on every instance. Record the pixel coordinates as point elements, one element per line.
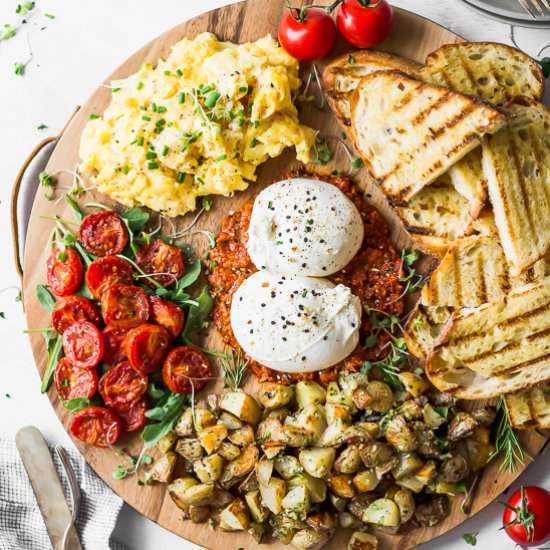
<point>83,344</point>
<point>526,518</point>
<point>364,23</point>
<point>64,271</point>
<point>97,426</point>
<point>307,33</point>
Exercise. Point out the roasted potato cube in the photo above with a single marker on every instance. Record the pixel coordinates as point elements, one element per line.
<point>190,449</point>
<point>441,487</point>
<point>232,422</point>
<point>431,417</point>
<point>203,419</point>
<point>258,532</point>
<point>274,396</point>
<point>349,460</point>
<point>211,437</point>
<point>184,426</point>
<point>271,451</point>
<point>399,435</point>
<point>317,488</point>
<point>228,451</point>
<point>200,514</point>
<point>273,494</point>
<point>362,398</point>
<point>341,485</point>
<point>297,503</point>
<point>163,468</point>
<point>294,436</point>
<point>339,503</point>
<point>317,462</point>
<point>308,539</point>
<point>358,505</point>
<point>312,419</point>
<point>417,481</point>
<point>235,516</point>
<point>238,468</point>
<point>375,453</point>
<point>338,413</point>
<point>209,468</point>
<point>350,381</point>
<point>366,481</point>
<point>166,443</point>
<point>335,396</point>
<point>264,471</point>
<point>243,437</point>
<point>413,383</point>
<point>287,466</point>
<point>177,490</point>
<point>241,405</point>
<point>348,521</point>
<point>256,507</point>
<point>188,491</point>
<point>362,541</point>
<point>382,396</point>
<point>405,502</point>
<point>321,521</point>
<point>334,434</point>
<point>382,512</point>
<point>408,464</point>
<point>309,393</point>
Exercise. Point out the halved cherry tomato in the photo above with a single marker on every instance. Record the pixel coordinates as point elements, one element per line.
<point>125,306</point>
<point>307,34</point>
<point>133,418</point>
<point>186,368</point>
<point>113,340</point>
<point>106,272</point>
<point>65,274</point>
<point>146,346</point>
<point>72,309</point>
<point>103,233</point>
<point>83,344</point>
<point>72,382</point>
<point>364,23</point>
<point>167,315</point>
<point>166,260</point>
<point>97,426</point>
<point>121,386</point>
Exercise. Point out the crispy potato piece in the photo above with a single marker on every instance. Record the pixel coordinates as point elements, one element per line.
<point>163,468</point>
<point>309,393</point>
<point>382,512</point>
<point>235,516</point>
<point>317,462</point>
<point>256,507</point>
<point>241,405</point>
<point>209,468</point>
<point>274,396</point>
<point>211,437</point>
<point>238,468</point>
<point>273,494</point>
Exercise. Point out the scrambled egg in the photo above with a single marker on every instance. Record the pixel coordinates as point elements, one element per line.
<point>198,124</point>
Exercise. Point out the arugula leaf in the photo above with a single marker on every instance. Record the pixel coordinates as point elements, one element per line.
<point>76,404</point>
<point>166,416</point>
<point>470,538</point>
<point>7,32</point>
<point>198,314</point>
<point>79,215</point>
<point>55,346</point>
<point>47,301</point>
<point>136,219</point>
<point>191,275</point>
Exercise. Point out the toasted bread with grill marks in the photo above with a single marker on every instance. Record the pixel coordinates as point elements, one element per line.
<point>516,164</point>
<point>468,179</point>
<point>497,348</point>
<point>529,409</point>
<point>341,76</point>
<point>494,72</point>
<point>435,217</point>
<point>409,132</point>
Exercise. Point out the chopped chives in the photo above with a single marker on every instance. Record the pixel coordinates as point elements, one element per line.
<point>146,118</point>
<point>143,107</point>
<point>212,99</point>
<point>167,73</point>
<point>181,177</point>
<point>140,85</point>
<point>161,109</point>
<point>222,157</point>
<point>179,72</point>
<point>254,143</point>
<point>256,123</point>
<point>153,165</point>
<point>150,155</point>
<point>126,169</point>
<point>93,117</point>
<point>49,16</point>
<point>154,107</point>
<point>165,150</point>
<point>181,98</point>
<point>140,140</point>
<point>241,122</point>
<point>115,90</point>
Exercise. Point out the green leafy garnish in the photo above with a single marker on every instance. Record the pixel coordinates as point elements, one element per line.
<point>76,404</point>
<point>24,8</point>
<point>55,345</point>
<point>198,314</point>
<point>234,369</point>
<point>48,182</point>
<point>324,154</point>
<point>356,164</point>
<point>47,301</point>
<point>164,416</point>
<point>7,32</point>
<point>470,538</point>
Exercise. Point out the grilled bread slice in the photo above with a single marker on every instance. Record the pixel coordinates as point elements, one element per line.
<point>494,72</point>
<point>529,409</point>
<point>497,348</point>
<point>516,163</point>
<point>435,217</point>
<point>409,132</point>
<point>341,77</point>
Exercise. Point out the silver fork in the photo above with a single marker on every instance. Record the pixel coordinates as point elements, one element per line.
<point>534,7</point>
<point>74,490</point>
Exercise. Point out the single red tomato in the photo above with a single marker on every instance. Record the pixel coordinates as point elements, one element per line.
<point>103,233</point>
<point>64,271</point>
<point>146,346</point>
<point>72,382</point>
<point>125,306</point>
<point>83,344</point>
<point>73,309</point>
<point>97,426</point>
<point>167,315</point>
<point>121,386</point>
<point>526,518</point>
<point>133,418</point>
<point>106,272</point>
<point>307,34</point>
<point>186,368</point>
<point>113,340</point>
<point>163,261</point>
<point>364,23</point>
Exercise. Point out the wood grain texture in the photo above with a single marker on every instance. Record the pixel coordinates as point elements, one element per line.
<point>412,37</point>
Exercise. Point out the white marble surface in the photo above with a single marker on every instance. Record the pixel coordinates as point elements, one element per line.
<point>86,41</point>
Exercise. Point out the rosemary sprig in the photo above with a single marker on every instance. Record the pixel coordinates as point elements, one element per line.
<point>234,369</point>
<point>507,443</point>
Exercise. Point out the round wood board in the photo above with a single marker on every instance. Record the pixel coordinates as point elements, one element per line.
<point>412,36</point>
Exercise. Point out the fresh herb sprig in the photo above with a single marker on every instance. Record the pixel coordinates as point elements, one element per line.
<point>234,369</point>
<point>507,444</point>
<point>415,281</point>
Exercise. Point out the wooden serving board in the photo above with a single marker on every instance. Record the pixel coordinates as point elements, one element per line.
<point>413,37</point>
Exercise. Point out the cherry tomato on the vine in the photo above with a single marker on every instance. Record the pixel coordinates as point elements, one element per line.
<point>364,23</point>
<point>64,271</point>
<point>526,518</point>
<point>308,33</point>
<point>97,426</point>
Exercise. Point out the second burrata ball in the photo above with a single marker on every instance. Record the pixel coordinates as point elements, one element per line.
<point>304,227</point>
